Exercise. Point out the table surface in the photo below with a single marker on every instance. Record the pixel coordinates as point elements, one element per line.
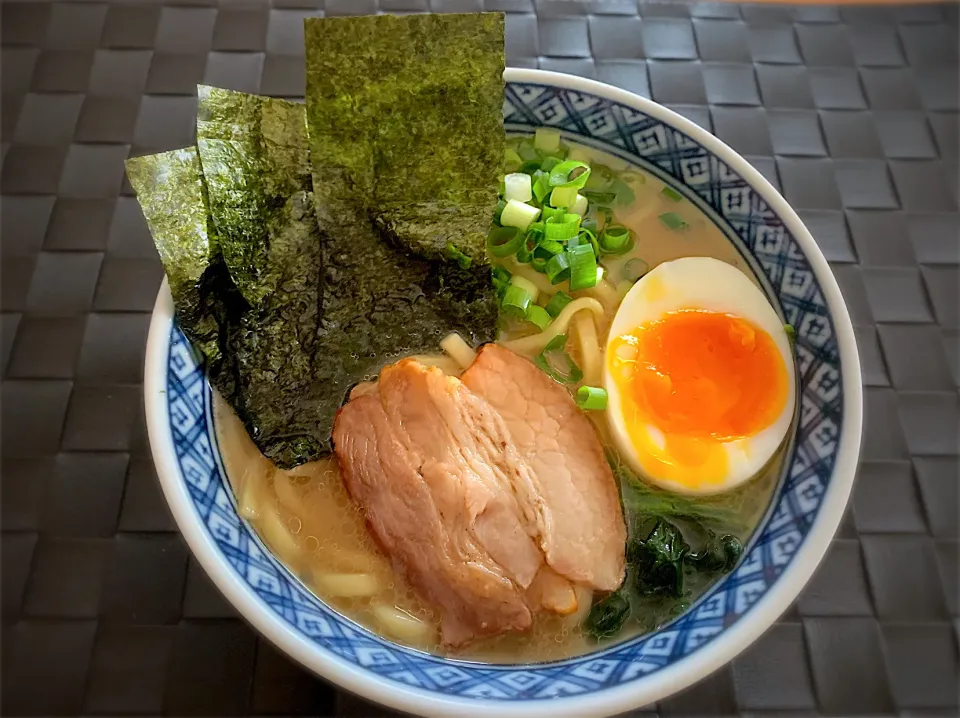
<point>852,112</point>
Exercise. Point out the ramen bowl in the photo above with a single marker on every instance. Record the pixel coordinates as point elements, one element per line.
<point>793,536</point>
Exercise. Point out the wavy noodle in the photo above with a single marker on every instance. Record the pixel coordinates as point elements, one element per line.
<point>591,356</point>
<point>458,349</point>
<point>534,344</point>
<point>402,624</point>
<point>540,281</point>
<point>277,535</point>
<point>604,292</point>
<point>348,585</point>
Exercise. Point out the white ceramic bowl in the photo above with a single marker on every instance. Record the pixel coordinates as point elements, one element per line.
<point>796,532</point>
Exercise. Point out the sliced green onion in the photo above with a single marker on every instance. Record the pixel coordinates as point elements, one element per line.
<point>591,398</point>
<point>585,236</point>
<point>615,239</point>
<point>519,215</point>
<point>590,224</point>
<point>557,302</point>
<point>583,267</point>
<point>517,186</point>
<point>527,150</point>
<point>530,242</point>
<point>457,256</point>
<point>580,204</point>
<point>634,269</point>
<point>539,264</point>
<point>558,267</point>
<point>498,212</point>
<point>511,159</point>
<point>561,228</point>
<point>526,285</point>
<point>672,220</point>
<point>791,334</point>
<point>549,212</point>
<point>570,173</point>
<point>541,187</point>
<point>546,139</point>
<point>671,194</point>
<point>548,247</point>
<point>625,195</point>
<point>516,300</point>
<point>538,316</point>
<point>548,163</point>
<point>504,241</point>
<point>563,197</point>
<point>556,363</point>
<point>603,199</point>
<point>500,273</point>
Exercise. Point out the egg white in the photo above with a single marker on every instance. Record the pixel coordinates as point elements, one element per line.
<point>706,284</point>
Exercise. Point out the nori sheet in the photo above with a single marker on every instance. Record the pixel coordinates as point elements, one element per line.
<point>405,117</point>
<point>294,298</point>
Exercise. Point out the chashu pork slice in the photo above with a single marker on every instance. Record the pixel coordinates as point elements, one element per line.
<point>423,457</point>
<point>581,526</point>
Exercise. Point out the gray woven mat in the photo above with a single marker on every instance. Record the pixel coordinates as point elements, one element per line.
<point>851,112</point>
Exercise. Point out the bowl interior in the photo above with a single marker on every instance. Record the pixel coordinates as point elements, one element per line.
<point>772,240</point>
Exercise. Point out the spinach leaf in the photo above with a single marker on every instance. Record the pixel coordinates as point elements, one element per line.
<point>607,616</point>
<point>658,561</point>
<point>719,553</point>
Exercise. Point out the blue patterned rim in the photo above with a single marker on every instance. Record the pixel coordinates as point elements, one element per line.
<point>809,499</point>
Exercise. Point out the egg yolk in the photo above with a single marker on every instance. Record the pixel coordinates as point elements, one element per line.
<point>700,379</point>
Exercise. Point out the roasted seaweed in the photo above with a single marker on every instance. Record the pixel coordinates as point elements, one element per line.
<point>294,295</point>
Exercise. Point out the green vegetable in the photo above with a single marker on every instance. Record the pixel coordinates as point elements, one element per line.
<point>501,279</point>
<point>671,194</point>
<point>607,616</point>
<point>518,214</point>
<point>719,553</point>
<point>553,212</point>
<point>538,316</point>
<point>602,199</point>
<point>615,239</point>
<point>504,241</point>
<point>570,173</point>
<point>586,236</point>
<point>791,334</point>
<point>498,210</point>
<point>557,302</point>
<point>516,301</point>
<point>583,267</point>
<point>672,220</point>
<point>634,269</point>
<point>563,196</point>
<point>558,267</point>
<point>549,163</point>
<point>546,139</point>
<point>562,227</point>
<point>556,363</point>
<point>541,187</point>
<point>548,247</point>
<point>462,260</point>
<point>658,561</point>
<point>511,159</point>
<point>591,398</point>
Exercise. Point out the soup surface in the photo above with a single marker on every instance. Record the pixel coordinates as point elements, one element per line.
<point>307,519</point>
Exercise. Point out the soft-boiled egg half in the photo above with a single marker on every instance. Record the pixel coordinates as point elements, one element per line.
<point>700,377</point>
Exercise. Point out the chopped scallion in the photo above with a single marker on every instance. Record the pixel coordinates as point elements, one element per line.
<point>498,212</point>
<point>570,173</point>
<point>563,227</point>
<point>517,186</point>
<point>558,267</point>
<point>541,187</point>
<point>791,334</point>
<point>602,199</point>
<point>634,269</point>
<point>539,264</point>
<point>511,159</point>
<point>519,215</point>
<point>538,316</point>
<point>563,197</point>
<point>672,220</point>
<point>583,267</point>
<point>457,256</point>
<point>516,300</point>
<point>580,205</point>
<point>526,285</point>
<point>615,239</point>
<point>546,139</point>
<point>585,236</point>
<point>549,163</point>
<point>549,212</point>
<point>525,253</point>
<point>557,302</point>
<point>556,363</point>
<point>548,247</point>
<point>591,398</point>
<point>671,194</point>
<point>504,241</point>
